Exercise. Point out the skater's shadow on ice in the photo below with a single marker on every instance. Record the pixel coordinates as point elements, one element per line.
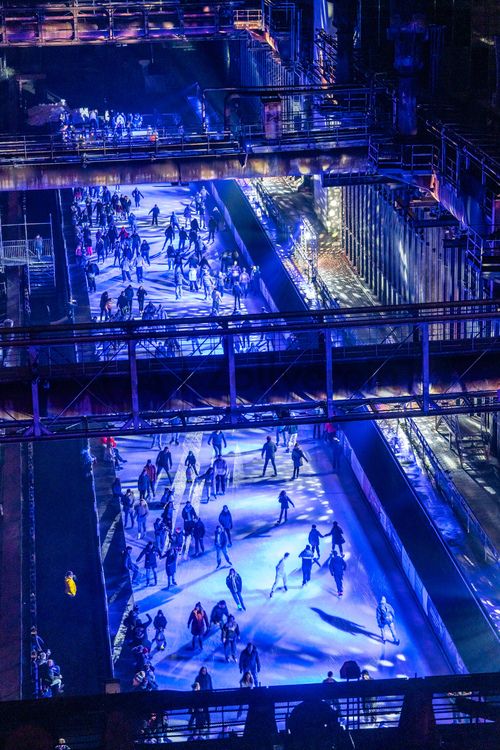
<point>347,626</point>
<point>184,653</point>
<point>264,531</point>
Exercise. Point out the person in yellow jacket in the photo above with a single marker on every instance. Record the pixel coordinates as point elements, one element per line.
<point>70,583</point>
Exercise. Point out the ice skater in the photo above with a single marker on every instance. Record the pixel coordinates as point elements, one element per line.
<point>171,564</point>
<point>150,554</point>
<point>159,624</point>
<point>307,560</point>
<point>189,516</point>
<point>285,503</point>
<point>217,439</point>
<point>220,541</point>
<point>190,464</point>
<point>220,614</point>
<point>313,539</point>
<point>385,619</point>
<point>230,637</point>
<point>250,662</point>
<point>137,195</point>
<point>234,584</point>
<point>280,576</point>
<point>220,470</point>
<point>267,453</point>
<point>298,458</point>
<point>209,483</point>
<point>164,463</point>
<point>337,537</point>
<point>198,624</point>
<point>337,566</point>
<point>226,521</point>
<point>198,534</point>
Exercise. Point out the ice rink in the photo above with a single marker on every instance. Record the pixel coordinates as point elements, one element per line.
<point>302,633</point>
<point>158,280</point>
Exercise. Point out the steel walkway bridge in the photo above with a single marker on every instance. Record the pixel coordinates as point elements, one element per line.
<point>352,364</point>
<point>75,22</point>
<point>343,122</point>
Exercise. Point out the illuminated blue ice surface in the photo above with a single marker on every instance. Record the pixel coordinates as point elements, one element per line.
<point>302,633</point>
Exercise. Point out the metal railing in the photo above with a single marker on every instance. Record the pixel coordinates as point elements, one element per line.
<point>407,707</point>
<point>416,158</point>
<point>448,489</point>
<point>347,714</point>
<point>17,151</point>
<point>484,252</point>
<point>24,252</point>
<point>208,354</point>
<point>313,322</point>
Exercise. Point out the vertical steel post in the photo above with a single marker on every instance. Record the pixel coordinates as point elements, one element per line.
<point>329,372</point>
<point>232,375</point>
<point>425,366</point>
<point>134,383</point>
<point>35,396</point>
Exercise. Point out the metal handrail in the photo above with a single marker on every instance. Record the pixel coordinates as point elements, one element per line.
<point>450,492</point>
<point>82,134</point>
<point>310,320</point>
<point>360,705</point>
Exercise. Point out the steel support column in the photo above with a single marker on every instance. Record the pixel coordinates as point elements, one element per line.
<point>425,367</point>
<point>329,372</point>
<point>136,422</point>
<point>231,366</point>
<point>37,429</point>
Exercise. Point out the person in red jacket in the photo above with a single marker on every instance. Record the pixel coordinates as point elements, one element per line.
<point>198,623</point>
<point>150,470</point>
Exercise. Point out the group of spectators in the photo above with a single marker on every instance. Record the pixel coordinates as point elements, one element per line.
<point>46,674</point>
<point>86,124</point>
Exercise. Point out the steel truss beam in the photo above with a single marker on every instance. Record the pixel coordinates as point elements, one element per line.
<point>251,416</point>
<point>76,22</point>
<point>303,383</point>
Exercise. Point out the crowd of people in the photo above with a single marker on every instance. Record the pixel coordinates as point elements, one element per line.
<point>46,677</point>
<point>196,268</point>
<point>107,233</point>
<point>143,645</point>
<point>84,124</point>
<point>179,534</point>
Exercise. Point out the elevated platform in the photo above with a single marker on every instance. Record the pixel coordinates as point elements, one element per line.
<point>75,22</point>
<point>103,716</point>
<point>41,164</point>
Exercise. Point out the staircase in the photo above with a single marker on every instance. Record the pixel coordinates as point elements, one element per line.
<point>40,270</point>
<point>41,276</point>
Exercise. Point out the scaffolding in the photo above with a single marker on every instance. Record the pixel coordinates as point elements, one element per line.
<point>30,245</point>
